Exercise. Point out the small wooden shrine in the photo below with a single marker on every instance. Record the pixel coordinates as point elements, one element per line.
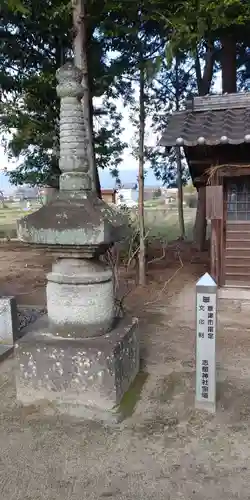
<point>215,134</point>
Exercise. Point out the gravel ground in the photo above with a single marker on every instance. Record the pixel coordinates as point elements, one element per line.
<point>163,449</point>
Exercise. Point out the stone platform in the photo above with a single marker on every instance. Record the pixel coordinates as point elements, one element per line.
<point>88,374</point>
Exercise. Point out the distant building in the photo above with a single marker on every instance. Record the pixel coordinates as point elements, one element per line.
<point>25,193</point>
<point>109,195</point>
<point>150,191</point>
<point>127,195</point>
<point>130,185</point>
<point>169,194</point>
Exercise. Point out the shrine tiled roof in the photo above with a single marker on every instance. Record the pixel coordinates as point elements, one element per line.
<point>210,120</point>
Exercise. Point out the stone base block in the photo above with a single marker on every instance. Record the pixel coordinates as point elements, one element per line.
<point>8,325</point>
<point>91,373</point>
<point>5,351</point>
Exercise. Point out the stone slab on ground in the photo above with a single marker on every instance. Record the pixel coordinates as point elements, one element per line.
<point>8,320</point>
<point>91,373</point>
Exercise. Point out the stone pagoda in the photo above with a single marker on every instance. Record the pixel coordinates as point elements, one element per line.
<point>78,355</point>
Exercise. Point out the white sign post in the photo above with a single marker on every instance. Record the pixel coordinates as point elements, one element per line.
<point>206,325</point>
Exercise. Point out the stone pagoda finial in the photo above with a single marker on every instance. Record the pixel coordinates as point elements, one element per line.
<point>75,216</point>
<point>74,162</point>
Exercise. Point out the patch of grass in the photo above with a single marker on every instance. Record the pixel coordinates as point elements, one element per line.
<point>8,219</point>
<point>165,224</point>
<point>8,231</point>
<point>161,223</point>
<point>154,203</point>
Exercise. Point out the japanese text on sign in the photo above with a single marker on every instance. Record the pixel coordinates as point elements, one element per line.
<point>206,323</point>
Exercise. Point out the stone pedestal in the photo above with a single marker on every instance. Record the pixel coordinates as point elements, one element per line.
<point>80,297</point>
<point>76,356</point>
<point>90,374</point>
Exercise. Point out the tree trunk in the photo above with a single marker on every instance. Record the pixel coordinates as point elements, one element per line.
<point>200,226</point>
<point>142,253</point>
<point>55,182</point>
<point>204,81</point>
<point>203,84</point>
<point>96,178</point>
<point>180,193</point>
<point>228,65</point>
<point>81,61</point>
<point>178,158</point>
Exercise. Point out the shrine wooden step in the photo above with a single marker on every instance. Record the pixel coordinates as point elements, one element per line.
<point>239,276</point>
<point>237,253</point>
<point>237,243</point>
<point>238,235</point>
<point>237,267</point>
<point>237,260</point>
<point>238,226</point>
<point>236,284</point>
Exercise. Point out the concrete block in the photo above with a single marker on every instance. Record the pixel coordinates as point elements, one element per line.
<point>8,320</point>
<point>5,351</point>
<point>91,373</point>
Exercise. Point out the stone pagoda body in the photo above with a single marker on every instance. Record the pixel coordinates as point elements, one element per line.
<point>77,355</point>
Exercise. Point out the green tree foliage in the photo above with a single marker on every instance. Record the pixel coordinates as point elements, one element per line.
<point>157,194</point>
<point>169,92</point>
<point>194,30</point>
<point>36,40</point>
<point>213,29</point>
<point>15,5</point>
<point>190,21</point>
